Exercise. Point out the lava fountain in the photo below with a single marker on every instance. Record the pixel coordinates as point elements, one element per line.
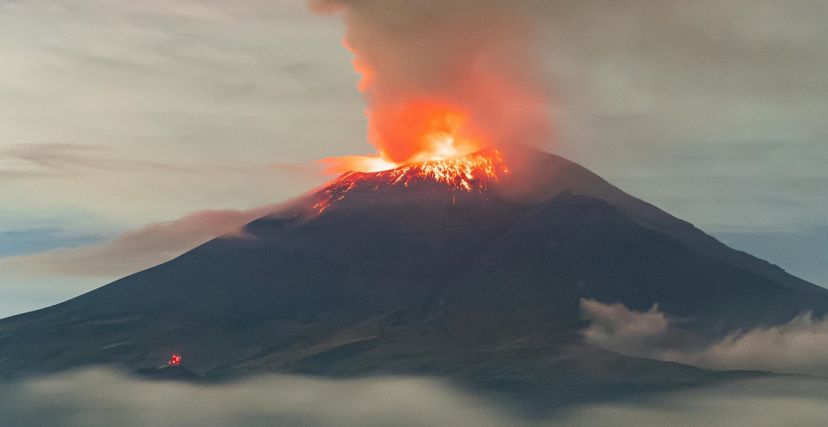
<point>469,173</point>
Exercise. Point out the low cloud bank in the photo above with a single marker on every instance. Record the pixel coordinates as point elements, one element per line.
<point>100,397</point>
<point>797,347</point>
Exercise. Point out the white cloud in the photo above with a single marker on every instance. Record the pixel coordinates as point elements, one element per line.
<point>615,326</point>
<point>797,347</point>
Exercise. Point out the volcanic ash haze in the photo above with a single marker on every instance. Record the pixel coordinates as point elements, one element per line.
<point>443,78</point>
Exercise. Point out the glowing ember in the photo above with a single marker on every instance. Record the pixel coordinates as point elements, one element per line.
<point>175,360</point>
<point>468,173</point>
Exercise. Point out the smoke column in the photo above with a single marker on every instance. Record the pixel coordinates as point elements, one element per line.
<point>444,77</point>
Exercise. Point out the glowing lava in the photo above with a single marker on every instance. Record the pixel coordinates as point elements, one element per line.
<point>422,131</point>
<point>469,173</point>
<point>175,360</point>
<point>418,132</point>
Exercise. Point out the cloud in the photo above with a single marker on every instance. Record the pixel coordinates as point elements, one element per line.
<point>797,347</point>
<point>616,327</point>
<point>99,397</point>
<point>62,160</point>
<point>137,249</point>
<point>158,108</point>
<point>713,110</point>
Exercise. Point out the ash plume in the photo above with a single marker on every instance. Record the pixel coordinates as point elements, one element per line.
<point>471,58</point>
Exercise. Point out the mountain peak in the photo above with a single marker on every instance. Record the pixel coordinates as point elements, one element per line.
<point>469,173</point>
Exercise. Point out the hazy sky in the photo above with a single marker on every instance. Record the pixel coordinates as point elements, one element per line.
<point>116,114</point>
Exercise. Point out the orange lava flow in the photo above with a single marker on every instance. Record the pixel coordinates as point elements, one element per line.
<point>469,173</point>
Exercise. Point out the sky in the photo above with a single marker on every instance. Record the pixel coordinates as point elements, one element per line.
<point>131,131</point>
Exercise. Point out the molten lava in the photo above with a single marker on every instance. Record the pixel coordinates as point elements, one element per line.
<point>175,360</point>
<point>469,173</point>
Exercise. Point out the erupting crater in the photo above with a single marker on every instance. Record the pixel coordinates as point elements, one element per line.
<point>469,173</point>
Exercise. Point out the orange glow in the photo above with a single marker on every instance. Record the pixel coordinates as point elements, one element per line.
<point>469,173</point>
<point>357,164</point>
<point>420,131</point>
<point>408,127</point>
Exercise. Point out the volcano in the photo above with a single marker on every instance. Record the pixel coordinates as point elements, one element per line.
<point>470,270</point>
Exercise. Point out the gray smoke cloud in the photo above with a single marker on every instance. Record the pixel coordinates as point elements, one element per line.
<point>797,347</point>
<point>103,398</point>
<point>479,56</point>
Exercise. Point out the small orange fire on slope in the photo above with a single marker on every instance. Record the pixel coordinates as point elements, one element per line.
<point>469,173</point>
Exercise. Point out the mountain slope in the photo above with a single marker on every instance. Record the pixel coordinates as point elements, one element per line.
<point>418,278</point>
